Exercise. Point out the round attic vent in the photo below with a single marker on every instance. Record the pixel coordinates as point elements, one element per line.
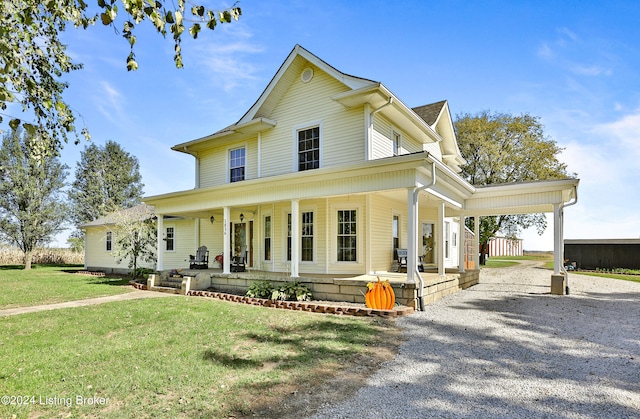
<point>307,75</point>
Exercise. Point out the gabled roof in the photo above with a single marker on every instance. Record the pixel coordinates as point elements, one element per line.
<point>430,113</point>
<point>138,213</point>
<point>438,116</point>
<point>281,81</point>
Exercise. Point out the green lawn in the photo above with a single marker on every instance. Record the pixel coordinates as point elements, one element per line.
<point>634,278</point>
<point>176,356</point>
<point>53,284</point>
<point>505,261</point>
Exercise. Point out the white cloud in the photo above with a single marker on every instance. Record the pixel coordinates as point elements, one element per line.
<point>110,102</point>
<point>226,58</point>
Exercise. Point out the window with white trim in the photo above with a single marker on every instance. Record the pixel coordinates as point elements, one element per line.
<point>309,149</point>
<point>447,241</point>
<point>396,235</point>
<point>108,241</point>
<point>170,239</point>
<point>267,237</point>
<point>236,164</point>
<point>307,236</point>
<point>396,139</point>
<point>289,237</point>
<point>347,236</point>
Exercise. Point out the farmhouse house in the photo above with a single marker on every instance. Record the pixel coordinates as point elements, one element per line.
<point>326,177</point>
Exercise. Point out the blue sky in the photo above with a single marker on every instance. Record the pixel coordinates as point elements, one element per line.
<point>575,64</point>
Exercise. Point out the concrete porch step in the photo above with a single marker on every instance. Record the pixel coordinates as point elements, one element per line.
<point>168,290</point>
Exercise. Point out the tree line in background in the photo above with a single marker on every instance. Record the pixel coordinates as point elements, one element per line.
<point>35,203</point>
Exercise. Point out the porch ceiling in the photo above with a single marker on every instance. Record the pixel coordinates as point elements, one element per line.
<point>521,198</point>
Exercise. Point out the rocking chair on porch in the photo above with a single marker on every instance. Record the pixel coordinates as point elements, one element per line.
<point>239,261</point>
<point>200,260</point>
<point>402,261</point>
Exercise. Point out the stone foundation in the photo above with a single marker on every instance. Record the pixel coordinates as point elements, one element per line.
<point>325,288</point>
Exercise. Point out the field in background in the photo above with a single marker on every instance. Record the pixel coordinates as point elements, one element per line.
<point>42,256</point>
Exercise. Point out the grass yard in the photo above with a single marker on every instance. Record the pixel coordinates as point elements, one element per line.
<point>177,357</point>
<point>53,284</point>
<point>506,261</point>
<point>633,278</point>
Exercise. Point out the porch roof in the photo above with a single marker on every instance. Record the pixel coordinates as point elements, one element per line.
<point>388,174</point>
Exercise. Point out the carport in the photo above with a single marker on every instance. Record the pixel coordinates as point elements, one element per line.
<point>549,196</point>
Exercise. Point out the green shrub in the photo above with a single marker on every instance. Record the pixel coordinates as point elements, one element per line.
<point>261,289</point>
<point>293,291</point>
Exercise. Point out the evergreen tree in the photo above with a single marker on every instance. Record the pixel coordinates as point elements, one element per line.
<point>107,179</point>
<point>32,210</point>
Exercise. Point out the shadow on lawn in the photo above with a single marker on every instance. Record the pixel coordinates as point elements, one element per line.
<point>333,370</point>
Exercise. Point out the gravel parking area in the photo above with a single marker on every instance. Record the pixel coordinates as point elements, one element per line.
<point>507,348</point>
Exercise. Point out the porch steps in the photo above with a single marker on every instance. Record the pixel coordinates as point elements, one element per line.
<point>168,290</point>
<point>169,285</point>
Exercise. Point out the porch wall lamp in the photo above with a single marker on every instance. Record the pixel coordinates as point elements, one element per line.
<point>241,217</point>
<point>212,219</point>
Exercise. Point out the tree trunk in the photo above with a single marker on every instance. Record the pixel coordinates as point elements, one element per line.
<point>28,255</point>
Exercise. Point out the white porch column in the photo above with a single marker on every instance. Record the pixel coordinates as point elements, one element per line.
<point>441,238</point>
<point>412,236</point>
<point>226,241</point>
<point>461,245</point>
<point>557,239</point>
<point>160,242</point>
<point>476,241</point>
<point>295,237</point>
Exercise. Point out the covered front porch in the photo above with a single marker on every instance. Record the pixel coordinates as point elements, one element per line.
<point>345,288</point>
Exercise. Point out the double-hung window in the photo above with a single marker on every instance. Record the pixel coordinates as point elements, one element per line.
<point>396,139</point>
<point>267,237</point>
<point>236,164</point>
<point>309,149</point>
<point>347,236</point>
<point>109,241</point>
<point>170,237</point>
<point>307,236</point>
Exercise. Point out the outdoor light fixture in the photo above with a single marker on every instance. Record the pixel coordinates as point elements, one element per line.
<point>212,219</point>
<point>241,217</point>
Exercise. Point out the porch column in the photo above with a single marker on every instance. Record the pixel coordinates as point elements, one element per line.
<point>557,238</point>
<point>476,241</point>
<point>412,235</point>
<point>441,239</point>
<point>295,237</point>
<point>558,280</point>
<point>226,241</point>
<point>160,248</point>
<point>461,245</point>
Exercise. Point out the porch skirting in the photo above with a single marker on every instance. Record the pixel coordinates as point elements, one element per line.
<point>328,288</point>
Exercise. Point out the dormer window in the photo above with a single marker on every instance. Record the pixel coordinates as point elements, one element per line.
<point>236,164</point>
<point>309,148</point>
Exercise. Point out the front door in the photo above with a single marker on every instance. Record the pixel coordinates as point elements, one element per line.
<point>241,240</point>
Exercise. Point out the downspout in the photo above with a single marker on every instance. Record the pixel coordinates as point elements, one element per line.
<point>566,274</point>
<point>369,128</point>
<point>414,266</point>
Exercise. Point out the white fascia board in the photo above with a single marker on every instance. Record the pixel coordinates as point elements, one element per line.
<point>378,91</point>
<point>248,128</point>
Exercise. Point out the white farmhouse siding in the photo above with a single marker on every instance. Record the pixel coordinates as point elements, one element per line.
<point>358,176</point>
<point>305,105</point>
<point>98,258</point>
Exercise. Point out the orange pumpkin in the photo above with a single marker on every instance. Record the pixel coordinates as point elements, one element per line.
<point>380,295</point>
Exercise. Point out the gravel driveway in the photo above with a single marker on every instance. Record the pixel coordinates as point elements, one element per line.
<point>507,348</point>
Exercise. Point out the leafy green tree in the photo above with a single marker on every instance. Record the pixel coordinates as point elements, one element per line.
<point>502,148</point>
<point>34,60</point>
<point>135,235</point>
<point>107,179</point>
<point>32,210</point>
